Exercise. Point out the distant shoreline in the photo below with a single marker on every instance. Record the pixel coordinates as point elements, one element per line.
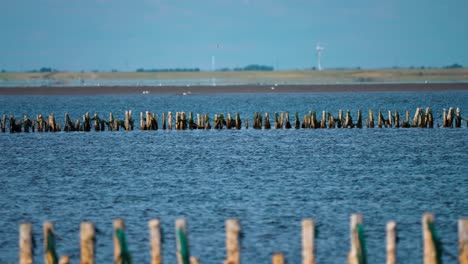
<point>187,90</point>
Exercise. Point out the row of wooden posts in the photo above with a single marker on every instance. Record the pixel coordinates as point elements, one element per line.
<point>432,250</point>
<point>148,121</point>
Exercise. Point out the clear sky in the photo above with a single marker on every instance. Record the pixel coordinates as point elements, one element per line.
<point>126,35</point>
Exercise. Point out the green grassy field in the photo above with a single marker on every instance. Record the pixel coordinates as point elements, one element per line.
<point>305,76</point>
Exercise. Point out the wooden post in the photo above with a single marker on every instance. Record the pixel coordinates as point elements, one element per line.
<point>463,240</point>
<point>121,253</point>
<point>277,122</point>
<point>278,258</point>
<point>379,119</point>
<point>287,125</point>
<point>25,244</point>
<point>359,119</point>
<point>169,120</point>
<point>357,254</point>
<point>297,123</point>
<point>391,242</point>
<point>164,121</point>
<point>308,241</point>
<point>323,122</point>
<point>87,238</point>
<point>229,121</point>
<point>267,121</point>
<point>142,122</point>
<point>340,118</point>
<point>397,119</point>
<point>232,242</point>
<point>4,118</point>
<point>111,122</point>
<point>50,255</point>
<point>371,119</point>
<point>450,117</point>
<point>349,120</point>
<point>183,251</point>
<point>96,123</point>
<point>458,118</point>
<point>390,119</point>
<point>416,116</point>
<point>331,120</point>
<point>444,118</point>
<point>430,250</point>
<point>194,260</point>
<point>155,241</point>
<point>64,260</point>
<point>27,123</point>
<point>238,121</point>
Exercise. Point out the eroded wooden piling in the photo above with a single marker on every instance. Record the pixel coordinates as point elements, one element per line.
<point>371,119</point>
<point>430,251</point>
<point>232,242</point>
<point>25,244</point>
<point>267,121</point>
<point>391,242</point>
<point>155,241</point>
<point>308,241</point>
<point>121,253</point>
<point>183,251</point>
<point>278,258</point>
<point>357,253</point>
<point>50,254</point>
<point>463,241</point>
<point>458,118</point>
<point>87,239</point>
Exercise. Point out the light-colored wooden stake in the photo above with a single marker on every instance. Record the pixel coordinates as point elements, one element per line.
<point>278,258</point>
<point>183,251</point>
<point>87,238</point>
<point>194,260</point>
<point>430,252</point>
<point>391,242</point>
<point>65,260</point>
<point>121,253</point>
<point>357,252</point>
<point>463,240</point>
<point>308,241</point>
<point>155,241</point>
<point>25,244</point>
<point>50,255</point>
<point>232,241</point>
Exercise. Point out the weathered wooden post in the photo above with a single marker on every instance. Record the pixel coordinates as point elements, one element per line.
<point>194,260</point>
<point>305,123</point>
<point>390,119</point>
<point>68,124</point>
<point>229,121</point>
<point>183,251</point>
<point>450,117</point>
<point>142,122</point>
<point>357,254</point>
<point>287,124</point>
<point>27,123</point>
<point>155,241</point>
<point>278,258</point>
<point>323,122</point>
<point>232,242</point>
<point>331,120</point>
<point>50,255</point>
<point>308,241</point>
<point>391,242</point>
<point>416,116</point>
<point>169,120</point>
<point>127,120</point>
<point>429,119</point>
<point>78,126</point>
<point>379,119</point>
<point>430,240</point>
<point>64,260</point>
<point>25,244</point>
<point>359,119</point>
<point>267,120</point>
<point>277,122</point>
<point>110,125</point>
<point>463,241</point>
<point>444,118</point>
<point>87,239</point>
<point>340,121</point>
<point>397,119</point>
<point>191,122</point>
<point>297,123</point>
<point>86,122</point>
<point>12,124</point>
<point>458,118</point>
<point>238,121</point>
<point>4,123</point>
<point>121,253</point>
<point>371,119</point>
<point>97,124</point>
<point>164,121</point>
<point>282,120</point>
<point>349,120</point>
<point>199,121</point>
<point>207,122</point>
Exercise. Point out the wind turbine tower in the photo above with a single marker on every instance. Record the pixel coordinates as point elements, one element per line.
<point>319,50</point>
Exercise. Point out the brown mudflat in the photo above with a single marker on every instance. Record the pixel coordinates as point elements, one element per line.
<point>95,90</point>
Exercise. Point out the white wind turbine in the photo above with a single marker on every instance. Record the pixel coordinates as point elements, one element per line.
<point>319,50</point>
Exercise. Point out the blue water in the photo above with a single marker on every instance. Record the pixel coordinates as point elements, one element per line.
<point>269,179</point>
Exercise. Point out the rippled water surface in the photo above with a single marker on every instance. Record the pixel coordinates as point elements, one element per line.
<point>269,179</point>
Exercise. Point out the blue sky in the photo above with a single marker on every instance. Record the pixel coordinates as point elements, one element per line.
<point>126,35</point>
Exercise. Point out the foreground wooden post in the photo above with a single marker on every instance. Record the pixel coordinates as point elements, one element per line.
<point>429,240</point>
<point>278,258</point>
<point>194,260</point>
<point>463,240</point>
<point>183,251</point>
<point>357,254</point>
<point>64,260</point>
<point>232,242</point>
<point>371,119</point>
<point>50,255</point>
<point>121,253</point>
<point>25,244</point>
<point>87,238</point>
<point>458,118</point>
<point>308,243</point>
<point>155,241</point>
<point>169,120</point>
<point>391,242</point>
